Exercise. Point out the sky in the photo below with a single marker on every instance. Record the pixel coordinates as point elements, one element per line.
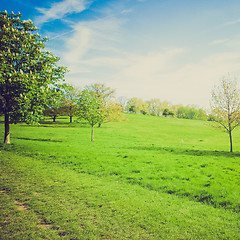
<point>172,50</point>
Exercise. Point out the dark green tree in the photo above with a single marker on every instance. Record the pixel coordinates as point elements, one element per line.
<point>167,112</point>
<point>26,71</point>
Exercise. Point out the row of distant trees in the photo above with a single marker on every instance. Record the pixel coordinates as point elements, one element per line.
<point>95,104</point>
<point>156,107</point>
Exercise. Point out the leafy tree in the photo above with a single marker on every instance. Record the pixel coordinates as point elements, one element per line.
<point>182,112</point>
<point>101,91</point>
<point>68,106</point>
<point>55,99</point>
<point>202,115</point>
<point>225,105</point>
<point>192,113</point>
<point>136,105</point>
<point>26,71</point>
<point>104,94</point>
<point>154,107</point>
<point>167,112</point>
<point>91,108</point>
<point>115,112</point>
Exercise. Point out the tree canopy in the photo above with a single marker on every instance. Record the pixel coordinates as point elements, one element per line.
<point>91,108</point>
<point>26,71</point>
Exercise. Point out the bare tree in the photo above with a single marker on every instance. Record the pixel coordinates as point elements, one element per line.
<point>225,105</point>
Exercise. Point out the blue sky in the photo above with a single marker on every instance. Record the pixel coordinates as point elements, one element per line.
<point>167,49</point>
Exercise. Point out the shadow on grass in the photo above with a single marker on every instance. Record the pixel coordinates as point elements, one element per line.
<point>193,152</point>
<point>37,139</point>
<point>52,124</point>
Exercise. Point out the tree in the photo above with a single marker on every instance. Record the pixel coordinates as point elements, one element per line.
<point>182,112</point>
<point>225,105</point>
<point>68,106</point>
<point>102,91</point>
<point>154,107</point>
<point>26,71</point>
<point>191,112</point>
<point>91,108</point>
<point>136,105</point>
<point>105,95</point>
<point>114,112</point>
<point>167,112</point>
<point>54,103</point>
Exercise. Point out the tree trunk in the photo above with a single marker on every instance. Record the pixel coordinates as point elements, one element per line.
<point>230,138</point>
<point>54,118</point>
<point>70,119</point>
<point>99,125</point>
<point>7,129</point>
<point>92,134</point>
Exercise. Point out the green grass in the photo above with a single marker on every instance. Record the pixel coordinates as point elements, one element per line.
<point>143,178</point>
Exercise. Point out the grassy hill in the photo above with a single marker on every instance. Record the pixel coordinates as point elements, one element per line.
<point>143,178</point>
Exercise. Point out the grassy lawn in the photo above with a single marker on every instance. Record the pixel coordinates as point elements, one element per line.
<point>143,178</point>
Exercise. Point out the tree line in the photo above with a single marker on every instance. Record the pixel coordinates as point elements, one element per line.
<point>156,107</point>
<point>95,103</point>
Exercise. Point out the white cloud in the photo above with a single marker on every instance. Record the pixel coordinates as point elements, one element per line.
<point>60,9</point>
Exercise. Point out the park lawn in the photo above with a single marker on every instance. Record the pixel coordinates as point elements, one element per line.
<point>143,178</point>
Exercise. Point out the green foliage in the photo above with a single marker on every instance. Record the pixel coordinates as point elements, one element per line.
<point>26,71</point>
<point>106,109</point>
<point>154,107</point>
<point>91,108</point>
<point>167,112</point>
<point>191,112</point>
<point>102,92</point>
<point>54,104</point>
<point>69,101</point>
<point>136,105</point>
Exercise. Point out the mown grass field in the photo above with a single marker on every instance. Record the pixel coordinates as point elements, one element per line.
<point>143,178</point>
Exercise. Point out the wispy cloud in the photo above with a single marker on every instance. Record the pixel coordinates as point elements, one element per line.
<point>59,9</point>
<point>219,41</point>
<point>126,11</point>
<point>90,42</point>
<point>232,22</point>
